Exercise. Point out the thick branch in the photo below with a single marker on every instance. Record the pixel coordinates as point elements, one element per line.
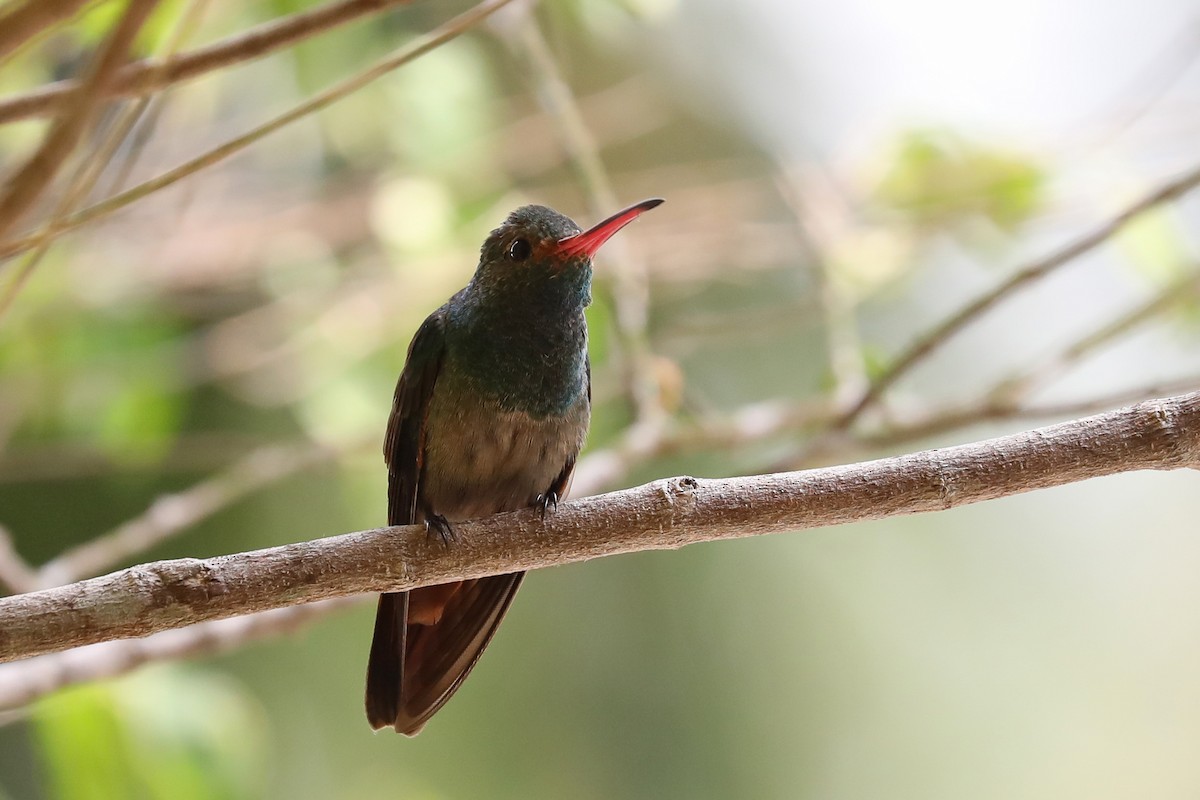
<point>1159,434</point>
<point>150,75</point>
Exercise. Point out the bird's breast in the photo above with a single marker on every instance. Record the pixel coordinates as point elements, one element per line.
<point>482,458</point>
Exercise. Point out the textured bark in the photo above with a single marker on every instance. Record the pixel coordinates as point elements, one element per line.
<point>671,513</point>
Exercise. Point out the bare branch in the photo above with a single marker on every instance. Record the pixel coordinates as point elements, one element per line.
<point>89,169</point>
<point>653,438</point>
<point>15,574</point>
<point>666,514</point>
<point>1179,290</point>
<point>27,20</point>
<point>26,185</point>
<point>944,421</point>
<point>24,681</point>
<point>170,514</point>
<point>816,220</point>
<point>1026,275</point>
<point>147,76</point>
<point>190,453</point>
<point>412,50</point>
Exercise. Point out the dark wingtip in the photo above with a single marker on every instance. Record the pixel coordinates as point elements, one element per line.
<point>653,202</point>
<point>385,667</point>
<point>379,720</point>
<point>408,728</point>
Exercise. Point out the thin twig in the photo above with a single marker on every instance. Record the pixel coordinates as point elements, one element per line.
<point>144,113</point>
<point>23,682</point>
<point>602,470</point>
<point>414,49</point>
<point>630,285</point>
<point>25,21</point>
<point>939,423</point>
<point>147,76</point>
<point>171,514</point>
<point>26,185</point>
<point>1158,434</point>
<point>88,171</point>
<point>815,222</point>
<point>15,574</point>
<point>1147,87</point>
<point>1169,191</point>
<point>190,453</point>
<point>1177,291</point>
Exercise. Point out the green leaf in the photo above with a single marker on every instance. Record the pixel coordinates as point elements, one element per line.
<point>85,757</point>
<point>875,361</point>
<point>938,179</point>
<point>167,733</point>
<point>142,420</point>
<point>445,111</point>
<point>1155,244</point>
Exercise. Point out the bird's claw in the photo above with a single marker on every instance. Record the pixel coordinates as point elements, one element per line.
<point>439,526</point>
<point>547,502</point>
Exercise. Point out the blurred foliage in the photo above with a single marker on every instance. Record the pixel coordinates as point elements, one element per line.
<point>95,23</point>
<point>938,180</point>
<point>163,733</point>
<point>1157,246</point>
<point>129,413</point>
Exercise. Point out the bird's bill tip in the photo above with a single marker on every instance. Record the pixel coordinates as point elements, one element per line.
<point>590,241</point>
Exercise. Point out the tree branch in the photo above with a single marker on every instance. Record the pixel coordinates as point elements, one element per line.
<point>1036,270</point>
<point>90,167</point>
<point>22,23</point>
<point>172,513</point>
<point>15,574</point>
<point>943,421</point>
<point>666,514</point>
<point>150,75</point>
<point>1179,290</point>
<point>25,681</point>
<point>406,53</point>
<point>27,184</point>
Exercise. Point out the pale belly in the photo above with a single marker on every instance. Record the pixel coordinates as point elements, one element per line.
<point>481,459</point>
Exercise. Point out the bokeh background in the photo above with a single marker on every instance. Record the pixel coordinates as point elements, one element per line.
<point>210,369</point>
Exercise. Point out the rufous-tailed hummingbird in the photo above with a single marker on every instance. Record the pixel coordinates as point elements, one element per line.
<point>489,414</point>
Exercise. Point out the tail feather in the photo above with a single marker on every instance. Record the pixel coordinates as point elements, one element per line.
<point>415,669</point>
<point>385,667</point>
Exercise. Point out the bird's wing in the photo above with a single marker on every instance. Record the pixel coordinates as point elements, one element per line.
<point>404,444</point>
<point>439,657</point>
<point>404,452</point>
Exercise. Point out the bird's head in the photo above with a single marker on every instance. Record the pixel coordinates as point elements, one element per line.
<point>540,254</point>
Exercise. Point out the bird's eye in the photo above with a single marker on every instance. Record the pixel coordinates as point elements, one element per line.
<point>520,250</point>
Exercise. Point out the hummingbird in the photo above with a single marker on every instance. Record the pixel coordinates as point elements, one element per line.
<point>489,415</point>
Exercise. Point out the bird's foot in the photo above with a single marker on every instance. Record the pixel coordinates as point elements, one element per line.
<point>547,502</point>
<point>439,526</point>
